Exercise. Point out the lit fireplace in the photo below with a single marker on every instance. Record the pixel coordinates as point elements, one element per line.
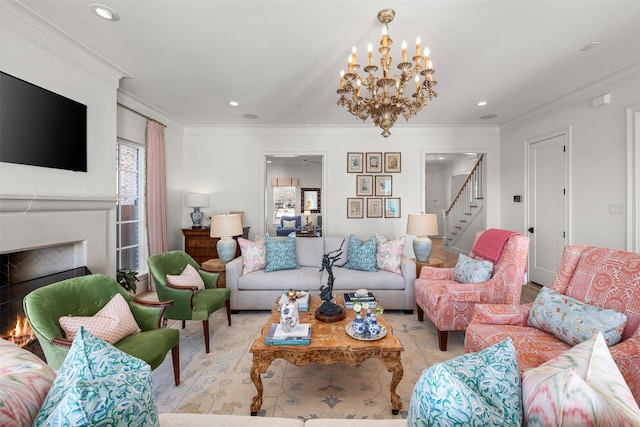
<point>21,333</point>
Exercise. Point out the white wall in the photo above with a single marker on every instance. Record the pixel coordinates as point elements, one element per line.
<point>230,165</point>
<point>597,157</point>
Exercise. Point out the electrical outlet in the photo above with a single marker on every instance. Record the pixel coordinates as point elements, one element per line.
<point>616,209</point>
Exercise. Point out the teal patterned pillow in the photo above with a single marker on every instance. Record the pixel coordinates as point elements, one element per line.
<point>469,270</point>
<point>474,389</point>
<point>281,254</point>
<point>99,385</point>
<point>362,256</point>
<point>574,321</point>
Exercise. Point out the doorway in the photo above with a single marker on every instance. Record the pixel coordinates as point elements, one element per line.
<point>547,206</point>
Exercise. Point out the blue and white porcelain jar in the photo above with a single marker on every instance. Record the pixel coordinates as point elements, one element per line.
<point>374,328</point>
<point>358,325</point>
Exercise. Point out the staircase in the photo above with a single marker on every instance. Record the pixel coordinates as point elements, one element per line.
<point>465,206</point>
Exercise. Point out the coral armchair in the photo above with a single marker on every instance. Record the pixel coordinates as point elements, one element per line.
<point>85,296</point>
<point>601,277</point>
<point>188,303</point>
<point>449,304</point>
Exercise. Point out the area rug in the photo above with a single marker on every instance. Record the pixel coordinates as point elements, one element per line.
<point>219,382</point>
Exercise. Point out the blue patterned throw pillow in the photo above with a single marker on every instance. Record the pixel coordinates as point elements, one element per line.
<point>574,321</point>
<point>281,254</point>
<point>474,389</point>
<point>362,256</point>
<point>469,270</point>
<point>99,385</point>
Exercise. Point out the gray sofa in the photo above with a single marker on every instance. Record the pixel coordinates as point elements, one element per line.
<point>259,290</point>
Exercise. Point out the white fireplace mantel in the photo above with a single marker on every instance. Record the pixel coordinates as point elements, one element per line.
<point>21,203</point>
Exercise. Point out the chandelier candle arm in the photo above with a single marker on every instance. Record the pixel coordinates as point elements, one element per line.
<point>386,99</point>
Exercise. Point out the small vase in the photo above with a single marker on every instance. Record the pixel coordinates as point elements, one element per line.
<point>358,325</point>
<point>289,316</point>
<point>374,328</point>
<point>367,321</point>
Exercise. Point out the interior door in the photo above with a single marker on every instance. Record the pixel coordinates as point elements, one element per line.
<point>546,210</point>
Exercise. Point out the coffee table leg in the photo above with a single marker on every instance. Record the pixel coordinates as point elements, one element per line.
<point>394,365</point>
<point>258,367</point>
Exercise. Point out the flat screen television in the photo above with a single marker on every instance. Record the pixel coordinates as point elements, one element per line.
<point>41,128</point>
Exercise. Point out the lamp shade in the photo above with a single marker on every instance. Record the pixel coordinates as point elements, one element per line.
<point>226,225</point>
<point>422,224</point>
<point>196,200</point>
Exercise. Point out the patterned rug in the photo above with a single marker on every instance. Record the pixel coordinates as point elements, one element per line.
<point>219,382</point>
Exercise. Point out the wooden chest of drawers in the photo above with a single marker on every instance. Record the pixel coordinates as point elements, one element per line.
<point>201,246</point>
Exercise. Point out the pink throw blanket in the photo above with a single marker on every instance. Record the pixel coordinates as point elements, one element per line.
<point>491,243</point>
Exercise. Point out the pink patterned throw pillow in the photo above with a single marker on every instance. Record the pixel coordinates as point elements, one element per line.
<point>389,254</point>
<point>112,323</point>
<point>253,255</point>
<point>188,278</point>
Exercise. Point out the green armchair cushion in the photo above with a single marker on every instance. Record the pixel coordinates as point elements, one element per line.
<point>99,385</point>
<point>85,296</point>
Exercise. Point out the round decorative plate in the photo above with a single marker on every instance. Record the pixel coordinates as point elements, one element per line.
<point>365,337</point>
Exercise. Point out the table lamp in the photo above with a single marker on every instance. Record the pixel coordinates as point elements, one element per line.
<point>308,226</point>
<point>196,201</point>
<point>422,226</point>
<point>225,227</point>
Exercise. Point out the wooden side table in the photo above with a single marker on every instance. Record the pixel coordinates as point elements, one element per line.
<point>216,266</point>
<point>431,262</point>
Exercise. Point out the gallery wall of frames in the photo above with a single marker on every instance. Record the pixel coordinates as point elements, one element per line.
<point>374,185</point>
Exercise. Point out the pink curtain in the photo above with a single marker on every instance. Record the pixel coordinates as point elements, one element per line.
<point>156,191</point>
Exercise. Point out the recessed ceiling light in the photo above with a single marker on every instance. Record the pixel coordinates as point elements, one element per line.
<point>234,103</point>
<point>481,103</point>
<point>105,12</point>
<point>250,116</point>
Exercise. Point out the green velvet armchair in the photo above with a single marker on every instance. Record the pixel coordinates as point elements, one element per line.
<point>188,303</point>
<point>85,296</point>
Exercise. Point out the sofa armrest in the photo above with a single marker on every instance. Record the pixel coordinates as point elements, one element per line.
<point>148,314</point>
<point>626,354</point>
<point>234,271</point>
<point>427,272</point>
<point>501,314</point>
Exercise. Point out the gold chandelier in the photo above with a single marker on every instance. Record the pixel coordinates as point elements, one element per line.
<point>387,99</point>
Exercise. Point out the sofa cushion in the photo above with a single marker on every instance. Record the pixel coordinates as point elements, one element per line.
<point>253,254</point>
<point>469,270</point>
<point>583,386</point>
<point>339,246</point>
<point>309,251</point>
<point>112,323</point>
<point>289,224</point>
<point>362,255</point>
<point>188,278</point>
<point>281,254</point>
<point>474,389</point>
<point>352,280</point>
<point>24,383</point>
<point>389,253</point>
<point>99,385</point>
<point>302,279</point>
<point>574,321</point>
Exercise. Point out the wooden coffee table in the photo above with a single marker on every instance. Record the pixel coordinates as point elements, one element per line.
<point>329,344</point>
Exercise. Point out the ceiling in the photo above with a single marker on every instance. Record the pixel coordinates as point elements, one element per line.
<point>280,60</point>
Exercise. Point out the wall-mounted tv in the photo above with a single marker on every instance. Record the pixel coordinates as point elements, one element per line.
<point>41,128</point>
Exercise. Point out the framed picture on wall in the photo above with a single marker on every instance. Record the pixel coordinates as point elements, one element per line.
<point>355,207</point>
<point>392,163</point>
<point>392,207</point>
<point>374,162</point>
<point>354,162</point>
<point>383,185</point>
<point>374,207</point>
<point>364,185</point>
<point>310,199</point>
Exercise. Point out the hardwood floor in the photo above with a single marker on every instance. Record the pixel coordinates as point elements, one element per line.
<point>529,291</point>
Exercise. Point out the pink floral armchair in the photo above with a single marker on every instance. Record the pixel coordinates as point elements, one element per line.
<point>449,304</point>
<point>605,278</point>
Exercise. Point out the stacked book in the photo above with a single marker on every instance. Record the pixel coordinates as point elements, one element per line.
<point>351,297</point>
<point>302,297</point>
<point>300,335</point>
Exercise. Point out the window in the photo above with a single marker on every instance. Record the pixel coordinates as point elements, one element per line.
<point>131,248</point>
<point>284,200</point>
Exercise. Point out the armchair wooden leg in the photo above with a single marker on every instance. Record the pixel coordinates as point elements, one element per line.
<point>175,356</point>
<point>442,340</point>
<point>205,329</point>
<point>420,313</point>
<point>228,304</point>
<point>184,322</point>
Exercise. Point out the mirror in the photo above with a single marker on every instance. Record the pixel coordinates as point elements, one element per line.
<point>310,199</point>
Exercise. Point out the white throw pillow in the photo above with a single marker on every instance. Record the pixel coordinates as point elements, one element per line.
<point>289,224</point>
<point>189,277</point>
